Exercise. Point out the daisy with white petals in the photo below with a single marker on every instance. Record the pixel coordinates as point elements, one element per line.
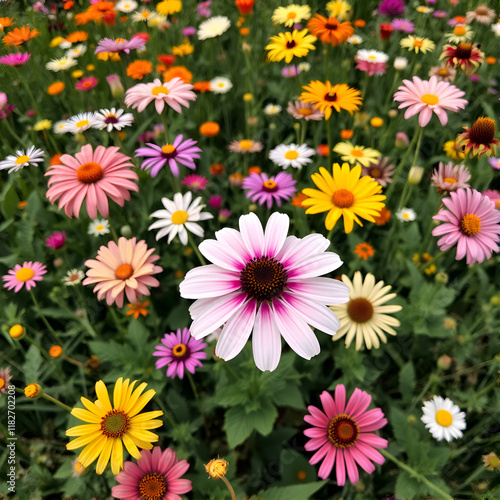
<point>292,155</point>
<point>61,64</point>
<point>113,119</point>
<point>16,162</point>
<point>220,85</point>
<point>443,418</point>
<point>98,227</point>
<point>179,217</point>
<point>215,26</point>
<point>80,123</point>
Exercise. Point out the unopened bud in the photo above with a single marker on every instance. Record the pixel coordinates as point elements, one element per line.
<point>444,362</point>
<point>415,175</point>
<point>402,140</point>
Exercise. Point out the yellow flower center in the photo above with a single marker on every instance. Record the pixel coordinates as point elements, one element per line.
<point>444,418</point>
<point>124,271</point>
<point>245,144</point>
<point>372,57</point>
<point>305,111</point>
<point>89,172</point>
<point>443,72</point>
<point>220,84</point>
<point>82,123</point>
<point>291,15</point>
<point>360,310</point>
<point>460,30</point>
<point>291,155</point>
<point>114,424</point>
<point>269,185</point>
<point>22,159</point>
<point>179,350</point>
<point>100,227</point>
<point>450,180</point>
<point>159,90</point>
<point>168,149</point>
<point>357,153</point>
<point>2,383</point>
<point>430,99</point>
<point>145,14</point>
<point>342,198</point>
<point>343,431</point>
<point>120,40</point>
<point>418,43</point>
<point>152,486</point>
<point>25,274</point>
<point>179,217</point>
<point>470,224</point>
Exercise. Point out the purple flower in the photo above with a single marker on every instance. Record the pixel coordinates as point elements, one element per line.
<point>55,240</point>
<point>146,136</point>
<point>189,31</point>
<point>120,45</point>
<point>180,351</point>
<point>495,163</point>
<point>204,9</point>
<point>391,8</point>
<point>266,189</point>
<point>403,25</point>
<point>440,14</point>
<point>290,71</point>
<point>15,59</point>
<point>215,201</point>
<point>184,152</point>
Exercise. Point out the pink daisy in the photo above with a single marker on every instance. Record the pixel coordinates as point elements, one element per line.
<point>27,274</point>
<point>127,267</point>
<point>91,175</point>
<point>180,351</point>
<point>381,171</point>
<point>265,282</point>
<point>304,111</point>
<point>55,240</point>
<point>5,378</point>
<point>264,189</point>
<point>423,97</point>
<point>195,182</point>
<point>450,177</point>
<point>86,83</point>
<point>493,196</point>
<point>157,475</point>
<point>343,435</point>
<point>470,222</point>
<point>15,59</point>
<point>175,93</point>
<point>184,152</point>
<point>120,45</point>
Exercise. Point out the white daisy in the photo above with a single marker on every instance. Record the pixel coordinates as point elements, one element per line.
<point>272,109</point>
<point>113,119</point>
<point>65,44</point>
<point>220,85</point>
<point>461,33</point>
<point>77,51</point>
<point>60,127</point>
<point>372,56</point>
<point>179,217</point>
<point>73,277</point>
<point>61,64</point>
<point>355,40</point>
<point>126,5</point>
<point>406,214</point>
<point>16,162</point>
<point>80,122</point>
<point>98,227</point>
<point>303,67</point>
<point>443,418</point>
<point>292,155</point>
<point>141,15</point>
<point>496,29</point>
<point>213,27</point>
<point>157,20</point>
<point>400,63</point>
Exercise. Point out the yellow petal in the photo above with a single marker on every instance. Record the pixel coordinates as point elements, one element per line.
<point>129,404</point>
<point>85,415</point>
<point>117,393</point>
<point>117,456</point>
<point>149,424</point>
<point>102,395</point>
<point>104,456</point>
<point>82,441</point>
<point>131,447</point>
<point>92,451</point>
<point>143,435</point>
<point>81,430</point>
<point>146,416</point>
<point>142,402</point>
<point>93,408</point>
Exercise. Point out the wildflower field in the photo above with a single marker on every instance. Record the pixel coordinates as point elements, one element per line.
<point>249,249</point>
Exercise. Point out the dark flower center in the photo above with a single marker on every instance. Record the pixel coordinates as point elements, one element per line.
<point>290,45</point>
<point>360,310</point>
<point>483,131</point>
<point>464,50</point>
<point>180,351</point>
<point>111,119</point>
<point>330,97</point>
<point>168,151</point>
<point>115,424</point>
<point>263,278</point>
<point>153,486</point>
<point>332,24</point>
<point>343,431</point>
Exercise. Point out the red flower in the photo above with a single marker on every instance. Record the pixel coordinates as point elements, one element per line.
<point>166,59</point>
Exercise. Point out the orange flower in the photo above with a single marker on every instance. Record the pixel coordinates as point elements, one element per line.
<point>123,19</point>
<point>491,60</point>
<point>68,5</point>
<point>364,250</point>
<point>55,351</point>
<point>55,88</point>
<point>346,134</point>
<point>5,21</point>
<point>202,87</point>
<point>138,69</point>
<point>87,16</point>
<point>298,199</point>
<point>209,129</point>
<point>19,35</point>
<point>360,23</point>
<point>178,71</point>
<point>55,160</point>
<point>383,218</point>
<point>254,170</point>
<point>217,169</point>
<point>77,37</point>
<point>330,30</point>
<point>323,150</point>
<point>138,308</point>
<point>244,6</point>
<point>244,31</point>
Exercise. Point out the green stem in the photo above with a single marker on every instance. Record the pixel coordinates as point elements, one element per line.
<point>329,138</point>
<point>413,473</point>
<point>11,131</point>
<point>38,346</point>
<point>193,386</point>
<point>55,401</point>
<point>196,251</point>
<point>116,320</point>
<point>395,355</point>
<point>28,91</point>
<point>433,260</point>
<point>229,487</point>
<point>44,319</point>
<point>165,125</point>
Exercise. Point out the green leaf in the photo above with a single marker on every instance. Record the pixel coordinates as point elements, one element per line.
<point>289,396</point>
<point>407,380</point>
<point>231,395</point>
<point>9,201</point>
<point>32,364</point>
<point>407,487</point>
<point>294,492</point>
<point>137,334</point>
<point>24,238</point>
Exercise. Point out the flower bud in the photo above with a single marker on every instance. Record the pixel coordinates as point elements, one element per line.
<point>441,277</point>
<point>17,332</point>
<point>402,140</point>
<point>449,323</point>
<point>216,468</point>
<point>444,362</point>
<point>33,391</point>
<point>126,231</point>
<point>415,175</point>
<point>393,113</point>
<point>115,85</point>
<point>400,63</point>
<point>55,351</point>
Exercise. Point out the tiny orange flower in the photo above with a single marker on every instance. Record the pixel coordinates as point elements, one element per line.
<point>138,69</point>
<point>209,129</point>
<point>298,199</point>
<point>254,170</point>
<point>360,23</point>
<point>19,35</point>
<point>244,31</point>
<point>138,308</point>
<point>491,60</point>
<point>346,134</point>
<point>202,87</point>
<point>217,169</point>
<point>55,88</point>
<point>364,250</point>
<point>383,218</point>
<point>178,71</point>
<point>55,351</point>
<point>77,37</point>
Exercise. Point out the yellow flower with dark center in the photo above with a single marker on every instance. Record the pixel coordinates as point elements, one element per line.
<point>108,427</point>
<point>453,150</point>
<point>287,45</point>
<point>345,195</point>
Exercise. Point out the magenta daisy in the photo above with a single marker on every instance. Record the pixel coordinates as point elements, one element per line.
<point>86,83</point>
<point>195,182</point>
<point>403,25</point>
<point>175,93</point>
<point>450,177</point>
<point>26,275</point>
<point>55,240</point>
<point>470,222</point>
<point>424,97</point>
<point>264,189</point>
<point>265,282</point>
<point>157,475</point>
<point>15,59</point>
<point>184,152</point>
<point>180,351</point>
<point>120,44</point>
<point>343,434</point>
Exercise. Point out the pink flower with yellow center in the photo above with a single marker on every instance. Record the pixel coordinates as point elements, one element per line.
<point>26,275</point>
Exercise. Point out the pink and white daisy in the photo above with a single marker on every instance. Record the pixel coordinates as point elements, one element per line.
<point>156,475</point>
<point>304,111</point>
<point>483,15</point>
<point>450,177</point>
<point>265,282</point>
<point>470,222</point>
<point>179,351</point>
<point>91,175</point>
<point>372,62</point>
<point>424,97</point>
<point>343,434</point>
<point>113,119</point>
<point>195,182</point>
<point>15,59</point>
<point>443,73</point>
<point>264,189</point>
<point>175,93</point>
<point>127,267</point>
<point>494,196</point>
<point>26,275</point>
<point>120,45</point>
<point>381,171</point>
<point>184,152</point>
<point>245,146</point>
<point>5,378</point>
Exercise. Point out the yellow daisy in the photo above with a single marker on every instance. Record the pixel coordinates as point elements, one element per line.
<point>168,7</point>
<point>356,154</point>
<point>292,14</point>
<point>345,194</point>
<point>453,150</point>
<point>417,44</point>
<point>287,45</point>
<point>108,429</point>
<point>339,9</point>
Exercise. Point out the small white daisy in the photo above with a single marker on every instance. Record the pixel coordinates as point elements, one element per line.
<point>220,85</point>
<point>16,162</point>
<point>61,64</point>
<point>303,67</point>
<point>443,418</point>
<point>179,217</point>
<point>400,63</point>
<point>77,51</point>
<point>126,5</point>
<point>60,127</point>
<point>80,122</point>
<point>272,109</point>
<point>406,214</point>
<point>461,33</point>
<point>372,56</point>
<point>157,20</point>
<point>355,40</point>
<point>292,155</point>
<point>73,277</point>
<point>98,227</point>
<point>496,29</point>
<point>215,26</point>
<point>141,15</point>
<point>113,119</point>
<point>65,44</point>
